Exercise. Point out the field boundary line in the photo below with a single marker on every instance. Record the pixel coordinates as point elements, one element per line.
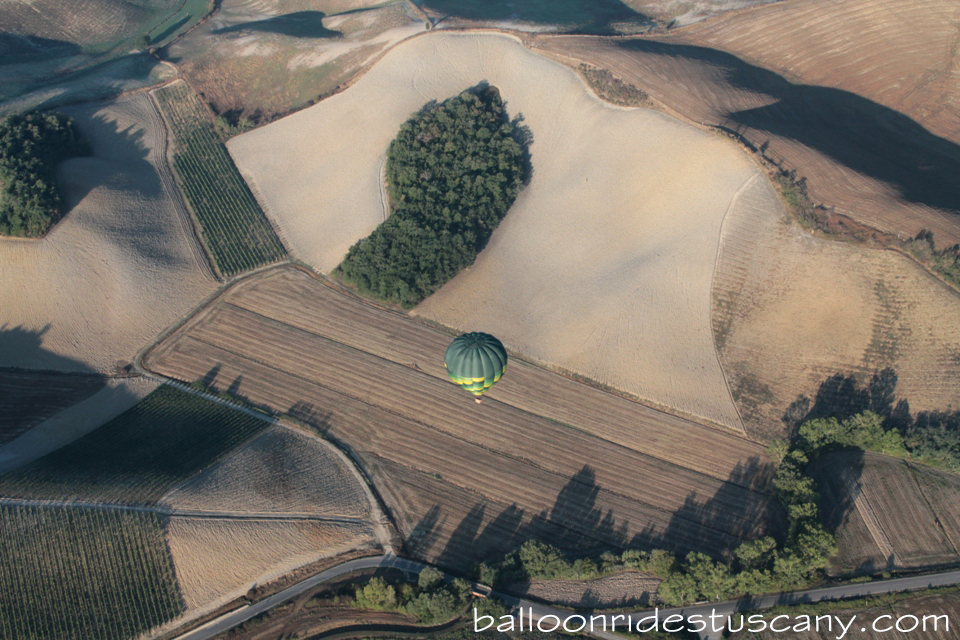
<point>724,223</point>
<point>926,500</point>
<point>869,515</point>
<point>171,512</point>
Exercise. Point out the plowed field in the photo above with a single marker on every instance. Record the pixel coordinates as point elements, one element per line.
<point>542,456</point>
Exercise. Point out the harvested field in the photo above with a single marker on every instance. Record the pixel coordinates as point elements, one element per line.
<point>120,267</point>
<point>83,573</point>
<point>792,310</point>
<point>602,269</point>
<point>29,398</point>
<point>859,157</point>
<point>281,471</point>
<point>625,589</point>
<point>889,513</point>
<point>139,455</point>
<point>234,229</point>
<point>580,464</point>
<point>76,421</point>
<point>263,59</point>
<point>218,560</point>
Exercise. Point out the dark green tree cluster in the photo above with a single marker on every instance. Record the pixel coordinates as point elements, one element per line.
<point>453,170</point>
<point>31,145</point>
<point>431,601</point>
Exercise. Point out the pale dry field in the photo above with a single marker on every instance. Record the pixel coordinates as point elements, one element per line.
<point>602,268</point>
<point>858,156</point>
<point>120,267</point>
<point>281,471</point>
<point>217,560</point>
<point>792,310</point>
<point>74,422</point>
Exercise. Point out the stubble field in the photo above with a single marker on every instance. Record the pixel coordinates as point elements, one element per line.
<point>120,267</point>
<point>792,310</point>
<point>889,513</point>
<point>580,466</point>
<point>602,269</point>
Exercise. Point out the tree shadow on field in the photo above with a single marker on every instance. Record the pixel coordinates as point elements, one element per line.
<point>581,16</point>
<point>16,48</point>
<point>856,132</point>
<point>299,24</point>
<point>580,526</point>
<point>34,384</point>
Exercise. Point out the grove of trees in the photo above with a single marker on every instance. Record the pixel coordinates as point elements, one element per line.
<point>454,170</point>
<point>31,145</point>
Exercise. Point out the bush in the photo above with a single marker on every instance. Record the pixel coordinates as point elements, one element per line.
<point>376,595</point>
<point>31,146</point>
<point>453,170</point>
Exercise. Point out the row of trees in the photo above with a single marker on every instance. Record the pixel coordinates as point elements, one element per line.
<point>454,170</point>
<point>31,146</point>
<point>430,601</point>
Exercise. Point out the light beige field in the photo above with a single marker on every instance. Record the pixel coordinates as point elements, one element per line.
<point>792,310</point>
<point>119,268</point>
<point>603,265</point>
<point>217,560</point>
<point>281,471</point>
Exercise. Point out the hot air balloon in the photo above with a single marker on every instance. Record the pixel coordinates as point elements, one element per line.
<point>475,361</point>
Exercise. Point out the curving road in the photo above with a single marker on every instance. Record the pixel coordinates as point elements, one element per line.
<point>719,610</point>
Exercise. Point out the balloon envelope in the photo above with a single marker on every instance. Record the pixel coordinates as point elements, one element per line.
<point>475,361</point>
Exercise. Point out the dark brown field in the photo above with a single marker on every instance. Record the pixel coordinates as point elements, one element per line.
<point>542,456</point>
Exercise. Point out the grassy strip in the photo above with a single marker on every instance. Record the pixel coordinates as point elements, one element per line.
<point>234,229</point>
<point>139,455</point>
<point>83,573</point>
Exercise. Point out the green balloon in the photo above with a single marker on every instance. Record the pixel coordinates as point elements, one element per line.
<point>475,361</point>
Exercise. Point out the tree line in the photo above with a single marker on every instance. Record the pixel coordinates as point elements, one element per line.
<point>453,171</point>
<point>31,146</point>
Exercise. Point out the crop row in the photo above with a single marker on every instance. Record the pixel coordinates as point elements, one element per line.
<point>234,228</point>
<point>90,574</point>
<point>138,456</point>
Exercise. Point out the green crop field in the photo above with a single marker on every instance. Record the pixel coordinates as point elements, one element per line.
<point>234,228</point>
<point>139,455</point>
<point>71,573</point>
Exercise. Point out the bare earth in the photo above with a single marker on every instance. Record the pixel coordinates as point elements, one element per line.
<point>281,471</point>
<point>792,310</point>
<point>625,589</point>
<point>601,268</point>
<point>119,268</point>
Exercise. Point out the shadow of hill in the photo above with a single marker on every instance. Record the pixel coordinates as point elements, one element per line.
<point>28,397</point>
<point>299,24</point>
<point>16,48</point>
<point>856,132</point>
<point>587,16</point>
